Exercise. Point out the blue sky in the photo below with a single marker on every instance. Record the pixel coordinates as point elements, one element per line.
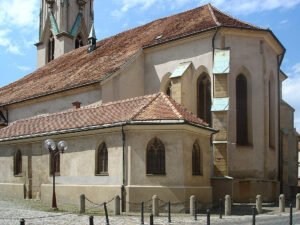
<point>19,30</point>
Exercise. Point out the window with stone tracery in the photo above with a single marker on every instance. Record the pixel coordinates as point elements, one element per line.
<point>156,157</point>
<point>102,160</point>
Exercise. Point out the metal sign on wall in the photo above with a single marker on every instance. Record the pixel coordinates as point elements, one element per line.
<point>221,61</point>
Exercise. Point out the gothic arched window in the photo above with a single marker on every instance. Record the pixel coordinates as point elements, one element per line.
<point>169,89</point>
<point>155,157</point>
<point>78,42</point>
<point>57,163</point>
<point>197,164</point>
<point>271,113</point>
<point>18,163</point>
<point>241,110</point>
<point>204,98</point>
<point>101,160</point>
<point>51,48</point>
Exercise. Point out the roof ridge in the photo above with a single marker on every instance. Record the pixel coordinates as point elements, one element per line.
<point>171,104</point>
<point>233,17</point>
<point>145,106</point>
<point>185,110</point>
<point>213,15</point>
<point>128,100</point>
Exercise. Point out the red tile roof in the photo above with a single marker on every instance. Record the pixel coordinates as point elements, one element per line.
<point>78,68</point>
<point>150,108</point>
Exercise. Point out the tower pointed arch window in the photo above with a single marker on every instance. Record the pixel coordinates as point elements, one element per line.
<point>51,48</point>
<point>204,98</point>
<point>101,160</point>
<point>78,42</point>
<point>18,163</point>
<point>155,157</point>
<point>197,165</point>
<point>241,110</point>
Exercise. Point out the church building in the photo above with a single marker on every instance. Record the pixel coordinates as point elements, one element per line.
<point>185,105</point>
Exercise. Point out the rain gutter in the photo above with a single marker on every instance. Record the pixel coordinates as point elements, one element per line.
<point>104,126</point>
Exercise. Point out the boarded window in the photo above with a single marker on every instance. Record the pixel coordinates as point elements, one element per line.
<point>102,160</point>
<point>197,164</point>
<point>55,156</point>
<point>51,47</point>
<point>204,98</point>
<point>18,163</point>
<point>155,157</point>
<point>241,110</point>
<point>78,42</point>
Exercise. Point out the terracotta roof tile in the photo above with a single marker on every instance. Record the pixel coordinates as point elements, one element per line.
<point>146,108</point>
<point>78,68</point>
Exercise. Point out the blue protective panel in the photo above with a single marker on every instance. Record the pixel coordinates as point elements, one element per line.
<point>180,70</point>
<point>76,25</point>
<point>53,23</point>
<point>221,61</point>
<point>220,104</point>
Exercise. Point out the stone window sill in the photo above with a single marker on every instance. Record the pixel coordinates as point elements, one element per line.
<point>102,175</point>
<point>156,175</point>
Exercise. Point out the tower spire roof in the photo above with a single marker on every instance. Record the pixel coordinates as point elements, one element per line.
<point>92,32</point>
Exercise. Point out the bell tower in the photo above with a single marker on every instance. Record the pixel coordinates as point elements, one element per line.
<point>64,26</point>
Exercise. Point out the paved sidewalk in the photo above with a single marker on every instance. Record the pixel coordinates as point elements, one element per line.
<point>12,212</point>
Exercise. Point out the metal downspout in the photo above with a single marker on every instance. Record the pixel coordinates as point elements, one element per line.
<point>279,61</point>
<point>123,191</point>
<point>213,95</point>
<point>213,58</point>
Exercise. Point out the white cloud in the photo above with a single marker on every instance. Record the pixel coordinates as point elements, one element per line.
<point>251,6</point>
<point>296,68</point>
<point>19,13</point>
<point>126,5</point>
<point>5,42</point>
<point>291,94</point>
<point>283,22</point>
<point>18,20</point>
<point>232,6</point>
<point>24,68</point>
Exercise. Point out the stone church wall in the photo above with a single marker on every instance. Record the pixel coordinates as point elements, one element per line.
<point>77,166</point>
<point>54,103</point>
<point>256,62</point>
<point>127,83</point>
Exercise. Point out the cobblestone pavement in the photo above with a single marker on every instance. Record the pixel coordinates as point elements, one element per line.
<point>12,212</point>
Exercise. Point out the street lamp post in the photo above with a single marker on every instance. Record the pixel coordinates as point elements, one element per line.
<point>54,150</point>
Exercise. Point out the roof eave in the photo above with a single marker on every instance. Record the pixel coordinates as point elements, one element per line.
<point>104,126</point>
